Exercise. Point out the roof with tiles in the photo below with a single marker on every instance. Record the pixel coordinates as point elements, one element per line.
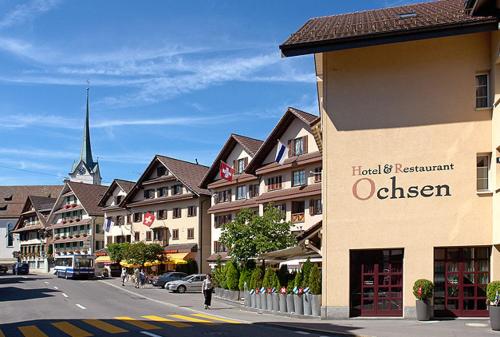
<point>89,196</point>
<point>345,30</point>
<point>13,198</point>
<point>190,174</point>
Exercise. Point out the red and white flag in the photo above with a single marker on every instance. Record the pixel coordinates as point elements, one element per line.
<point>226,171</point>
<point>149,218</point>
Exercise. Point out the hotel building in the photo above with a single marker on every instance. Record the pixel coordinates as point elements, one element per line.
<point>411,144</point>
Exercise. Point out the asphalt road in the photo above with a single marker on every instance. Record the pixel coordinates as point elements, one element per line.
<point>41,306</point>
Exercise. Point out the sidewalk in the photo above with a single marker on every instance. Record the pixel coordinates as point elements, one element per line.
<point>350,327</point>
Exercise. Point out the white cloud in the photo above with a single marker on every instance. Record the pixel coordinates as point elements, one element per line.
<point>26,12</point>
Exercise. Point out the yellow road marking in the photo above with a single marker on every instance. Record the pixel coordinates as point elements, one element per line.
<point>31,331</point>
<point>139,324</point>
<point>71,329</point>
<point>105,326</point>
<point>191,319</point>
<point>1,334</point>
<point>215,318</point>
<point>167,321</point>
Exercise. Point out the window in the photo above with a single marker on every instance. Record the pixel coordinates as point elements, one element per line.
<point>274,183</point>
<point>297,146</point>
<point>482,91</point>
<point>223,196</point>
<point>192,211</point>
<point>177,189</point>
<point>318,172</point>
<point>162,214</point>
<point>98,229</point>
<point>241,192</point>
<point>315,207</point>
<point>160,171</point>
<point>10,235</point>
<point>137,217</point>
<point>177,213</point>
<point>220,220</point>
<point>175,234</point>
<point>149,194</point>
<point>190,233</point>
<point>158,234</point>
<point>119,220</point>
<point>299,178</point>
<point>163,192</point>
<point>298,211</point>
<point>253,190</point>
<point>240,165</point>
<point>137,236</point>
<point>118,199</point>
<point>219,247</point>
<point>148,236</point>
<point>483,168</point>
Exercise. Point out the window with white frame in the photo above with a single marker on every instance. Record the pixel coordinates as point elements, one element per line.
<point>241,192</point>
<point>298,178</point>
<point>483,169</point>
<point>482,91</point>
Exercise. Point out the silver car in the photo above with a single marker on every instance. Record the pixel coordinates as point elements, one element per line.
<point>191,283</point>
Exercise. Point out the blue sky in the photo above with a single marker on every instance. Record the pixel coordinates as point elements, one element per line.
<point>167,77</point>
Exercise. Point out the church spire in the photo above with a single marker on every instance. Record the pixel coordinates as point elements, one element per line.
<point>86,153</point>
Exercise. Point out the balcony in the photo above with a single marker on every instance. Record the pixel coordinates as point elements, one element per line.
<point>297,217</point>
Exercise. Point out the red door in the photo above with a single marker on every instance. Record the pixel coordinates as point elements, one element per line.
<point>379,291</point>
<point>461,276</point>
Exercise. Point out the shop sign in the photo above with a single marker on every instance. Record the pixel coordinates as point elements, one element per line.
<point>393,190</point>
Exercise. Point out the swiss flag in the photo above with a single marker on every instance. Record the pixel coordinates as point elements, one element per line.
<point>226,171</point>
<point>149,218</point>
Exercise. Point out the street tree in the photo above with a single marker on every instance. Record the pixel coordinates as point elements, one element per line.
<point>118,251</point>
<point>140,252</point>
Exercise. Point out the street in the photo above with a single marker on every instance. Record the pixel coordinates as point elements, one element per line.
<point>39,306</point>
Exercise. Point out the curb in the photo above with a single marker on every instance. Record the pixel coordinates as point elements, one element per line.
<point>313,330</point>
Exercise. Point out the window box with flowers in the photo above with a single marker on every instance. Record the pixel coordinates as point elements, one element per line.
<point>77,219</point>
<point>423,291</point>
<point>74,205</point>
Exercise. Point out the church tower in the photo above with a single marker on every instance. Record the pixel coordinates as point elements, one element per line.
<point>86,170</point>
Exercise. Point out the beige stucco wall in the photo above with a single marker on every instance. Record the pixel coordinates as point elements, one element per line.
<point>412,104</point>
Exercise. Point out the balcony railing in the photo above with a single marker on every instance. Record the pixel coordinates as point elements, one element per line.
<point>297,217</point>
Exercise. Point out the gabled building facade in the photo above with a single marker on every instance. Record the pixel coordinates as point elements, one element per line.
<point>31,229</point>
<point>411,139</point>
<point>76,220</point>
<point>229,197</point>
<point>167,207</point>
<point>120,229</point>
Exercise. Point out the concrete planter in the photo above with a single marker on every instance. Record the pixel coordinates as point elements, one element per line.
<point>494,317</point>
<point>316,305</point>
<point>246,295</point>
<point>298,304</point>
<point>306,302</point>
<point>253,301</point>
<point>424,310</point>
<point>290,303</point>
<point>282,303</point>
<point>269,301</point>
<point>258,300</point>
<point>276,301</point>
<point>263,301</point>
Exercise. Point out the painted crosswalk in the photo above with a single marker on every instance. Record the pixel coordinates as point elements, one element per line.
<point>114,326</point>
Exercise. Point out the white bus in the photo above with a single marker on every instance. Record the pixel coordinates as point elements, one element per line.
<point>74,266</point>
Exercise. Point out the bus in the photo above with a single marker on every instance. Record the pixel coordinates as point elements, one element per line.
<point>74,266</point>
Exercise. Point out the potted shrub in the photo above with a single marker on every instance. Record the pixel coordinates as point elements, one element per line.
<point>232,280</point>
<point>306,297</point>
<point>255,285</point>
<point>282,300</point>
<point>243,285</point>
<point>315,290</point>
<point>298,302</point>
<point>422,289</point>
<point>290,305</point>
<point>275,284</point>
<point>267,285</point>
<point>493,294</point>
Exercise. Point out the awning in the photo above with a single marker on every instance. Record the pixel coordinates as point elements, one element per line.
<point>126,264</point>
<point>8,261</point>
<point>105,259</point>
<point>176,258</point>
<point>297,252</point>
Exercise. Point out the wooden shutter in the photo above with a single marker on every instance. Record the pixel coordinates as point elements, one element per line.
<point>246,163</point>
<point>304,144</point>
<point>290,148</point>
<point>235,162</point>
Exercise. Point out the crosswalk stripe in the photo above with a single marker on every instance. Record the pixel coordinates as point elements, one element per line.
<point>71,329</point>
<point>31,331</point>
<point>105,326</point>
<point>191,319</point>
<point>167,321</point>
<point>215,318</point>
<point>139,324</point>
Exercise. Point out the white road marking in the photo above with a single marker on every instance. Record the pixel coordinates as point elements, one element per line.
<point>303,332</point>
<point>56,288</point>
<point>65,295</point>
<point>80,306</point>
<point>476,325</point>
<point>46,282</point>
<point>24,276</point>
<point>150,334</point>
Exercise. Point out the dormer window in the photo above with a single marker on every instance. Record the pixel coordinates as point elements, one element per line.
<point>240,165</point>
<point>407,15</point>
<point>3,207</point>
<point>161,171</point>
<point>118,199</point>
<point>177,189</point>
<point>149,194</point>
<point>8,198</point>
<point>297,146</point>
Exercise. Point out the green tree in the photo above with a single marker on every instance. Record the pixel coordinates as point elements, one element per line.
<point>217,273</point>
<point>275,281</point>
<point>315,280</point>
<point>232,276</point>
<point>306,270</point>
<point>256,279</point>
<point>140,252</point>
<point>250,235</point>
<point>245,276</point>
<point>297,282</point>
<point>266,281</point>
<point>118,251</point>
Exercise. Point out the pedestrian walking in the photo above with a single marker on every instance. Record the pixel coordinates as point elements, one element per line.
<point>142,276</point>
<point>124,276</point>
<point>137,276</point>
<point>207,289</point>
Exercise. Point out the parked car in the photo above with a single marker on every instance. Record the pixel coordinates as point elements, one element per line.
<point>20,268</point>
<point>191,283</point>
<point>161,280</point>
<point>3,269</point>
